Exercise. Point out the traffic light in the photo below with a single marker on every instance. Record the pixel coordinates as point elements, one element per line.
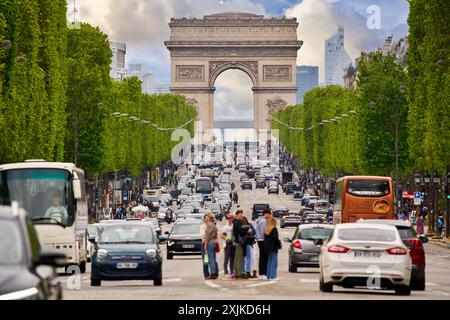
<point>422,190</point>
<point>447,192</point>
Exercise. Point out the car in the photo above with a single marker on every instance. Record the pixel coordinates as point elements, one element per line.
<point>92,231</point>
<point>155,224</point>
<point>273,188</point>
<point>225,187</point>
<point>217,209</point>
<point>184,238</point>
<point>280,211</point>
<point>314,217</point>
<point>321,206</point>
<point>167,199</point>
<point>242,168</point>
<point>250,174</point>
<point>126,251</point>
<point>261,183</point>
<point>289,187</point>
<point>290,220</point>
<point>246,184</point>
<point>355,252</point>
<point>27,271</point>
<point>311,202</point>
<point>305,245</point>
<point>297,195</point>
<point>155,201</point>
<point>258,210</point>
<point>416,250</point>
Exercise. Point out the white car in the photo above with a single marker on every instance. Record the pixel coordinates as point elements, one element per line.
<point>365,255</point>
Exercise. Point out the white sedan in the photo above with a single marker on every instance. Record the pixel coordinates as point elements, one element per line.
<point>365,255</point>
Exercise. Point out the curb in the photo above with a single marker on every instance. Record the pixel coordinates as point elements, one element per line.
<point>440,244</point>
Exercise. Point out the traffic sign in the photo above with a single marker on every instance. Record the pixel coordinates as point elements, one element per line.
<point>417,198</point>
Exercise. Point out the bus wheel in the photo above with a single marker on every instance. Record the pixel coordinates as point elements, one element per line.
<point>82,267</point>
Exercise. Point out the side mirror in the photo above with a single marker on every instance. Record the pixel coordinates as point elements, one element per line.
<point>423,239</point>
<point>76,185</point>
<point>162,238</point>
<point>287,240</point>
<point>55,259</point>
<point>93,239</point>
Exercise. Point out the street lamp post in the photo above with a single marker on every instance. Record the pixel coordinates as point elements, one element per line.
<point>427,181</point>
<point>436,182</point>
<point>447,200</point>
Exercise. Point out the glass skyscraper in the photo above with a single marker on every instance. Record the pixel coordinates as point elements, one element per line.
<point>307,79</point>
<point>336,59</point>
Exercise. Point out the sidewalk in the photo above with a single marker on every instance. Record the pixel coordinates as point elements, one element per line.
<point>444,242</point>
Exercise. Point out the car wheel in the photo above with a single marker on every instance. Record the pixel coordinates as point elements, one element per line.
<point>325,287</point>
<point>403,290</point>
<point>82,267</point>
<point>169,256</point>
<point>292,267</point>
<point>96,282</point>
<point>418,284</point>
<point>157,282</point>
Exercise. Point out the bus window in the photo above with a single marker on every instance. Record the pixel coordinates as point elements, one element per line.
<point>368,188</point>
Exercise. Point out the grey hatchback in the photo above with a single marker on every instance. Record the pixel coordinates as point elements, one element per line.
<point>306,244</point>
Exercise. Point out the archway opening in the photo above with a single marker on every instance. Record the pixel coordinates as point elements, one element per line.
<point>234,107</point>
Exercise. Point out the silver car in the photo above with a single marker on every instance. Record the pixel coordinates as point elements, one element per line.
<point>305,245</point>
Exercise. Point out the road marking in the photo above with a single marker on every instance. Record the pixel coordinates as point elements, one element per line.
<point>442,292</point>
<point>172,280</point>
<point>258,284</point>
<point>430,284</point>
<point>212,285</point>
<point>308,280</point>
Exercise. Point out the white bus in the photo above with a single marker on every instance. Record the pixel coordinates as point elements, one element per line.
<point>54,195</point>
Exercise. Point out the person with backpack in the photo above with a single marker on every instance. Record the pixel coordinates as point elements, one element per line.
<point>272,245</point>
<point>249,237</point>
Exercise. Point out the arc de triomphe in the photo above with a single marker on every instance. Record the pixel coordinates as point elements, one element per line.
<point>265,49</point>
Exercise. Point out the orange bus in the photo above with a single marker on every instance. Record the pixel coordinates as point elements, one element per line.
<point>363,197</point>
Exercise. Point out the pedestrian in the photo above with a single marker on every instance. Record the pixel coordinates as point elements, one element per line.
<point>420,225</point>
<point>261,225</point>
<point>227,237</point>
<point>237,224</point>
<point>211,244</point>
<point>440,223</point>
<point>248,239</point>
<point>272,245</point>
<point>204,255</point>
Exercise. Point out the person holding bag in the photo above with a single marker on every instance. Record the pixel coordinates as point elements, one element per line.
<point>272,244</point>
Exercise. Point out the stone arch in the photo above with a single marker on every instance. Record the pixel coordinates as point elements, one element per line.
<point>216,68</point>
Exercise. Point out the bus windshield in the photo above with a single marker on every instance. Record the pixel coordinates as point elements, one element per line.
<point>368,188</point>
<point>45,193</point>
<point>203,186</point>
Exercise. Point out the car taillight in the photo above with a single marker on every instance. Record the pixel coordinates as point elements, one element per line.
<point>297,244</point>
<point>398,251</point>
<point>338,249</point>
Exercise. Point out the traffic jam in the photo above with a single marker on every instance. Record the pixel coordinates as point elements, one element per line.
<point>350,237</point>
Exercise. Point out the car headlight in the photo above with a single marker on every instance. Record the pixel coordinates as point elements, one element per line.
<point>151,253</point>
<point>27,294</point>
<point>170,243</point>
<point>102,253</point>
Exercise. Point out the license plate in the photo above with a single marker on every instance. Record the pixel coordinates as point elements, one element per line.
<point>188,246</point>
<point>367,254</point>
<point>127,265</point>
<point>314,258</point>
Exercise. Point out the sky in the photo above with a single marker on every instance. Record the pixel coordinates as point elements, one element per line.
<point>143,26</point>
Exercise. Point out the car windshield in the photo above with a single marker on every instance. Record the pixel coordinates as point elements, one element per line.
<point>126,234</point>
<point>152,199</point>
<point>315,234</point>
<point>11,249</point>
<point>280,209</point>
<point>186,192</point>
<point>368,188</point>
<point>261,206</point>
<point>407,233</point>
<point>46,194</point>
<point>367,234</point>
<point>186,228</point>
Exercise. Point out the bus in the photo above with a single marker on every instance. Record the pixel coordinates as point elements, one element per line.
<point>363,197</point>
<point>204,186</point>
<point>54,196</point>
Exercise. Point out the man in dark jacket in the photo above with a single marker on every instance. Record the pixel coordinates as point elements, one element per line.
<point>239,253</point>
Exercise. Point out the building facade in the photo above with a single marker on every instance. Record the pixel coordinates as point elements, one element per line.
<point>307,79</point>
<point>336,59</point>
<point>119,51</point>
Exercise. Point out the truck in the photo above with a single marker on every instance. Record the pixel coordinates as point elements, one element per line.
<point>287,177</point>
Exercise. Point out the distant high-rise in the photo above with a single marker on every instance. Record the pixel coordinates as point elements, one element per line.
<point>307,79</point>
<point>140,71</point>
<point>119,51</point>
<point>336,59</point>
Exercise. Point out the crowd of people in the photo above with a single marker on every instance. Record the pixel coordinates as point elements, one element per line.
<point>240,241</point>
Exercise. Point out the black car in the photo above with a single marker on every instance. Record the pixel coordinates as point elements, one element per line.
<point>251,174</point>
<point>26,272</point>
<point>246,184</point>
<point>126,251</point>
<point>289,187</point>
<point>261,183</point>
<point>258,210</point>
<point>184,238</point>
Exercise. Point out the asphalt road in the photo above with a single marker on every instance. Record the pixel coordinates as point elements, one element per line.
<point>183,277</point>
